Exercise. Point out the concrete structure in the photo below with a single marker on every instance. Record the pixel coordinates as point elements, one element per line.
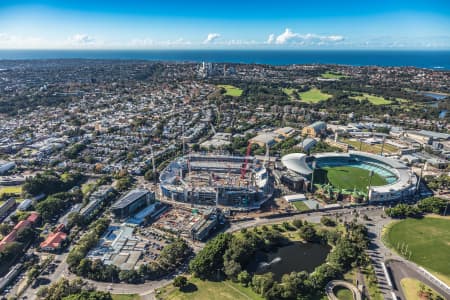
<point>132,202</point>
<point>95,200</point>
<point>25,204</point>
<point>287,132</point>
<point>401,180</point>
<point>266,138</point>
<point>307,144</point>
<point>216,179</point>
<point>7,206</point>
<point>5,166</point>
<point>315,129</point>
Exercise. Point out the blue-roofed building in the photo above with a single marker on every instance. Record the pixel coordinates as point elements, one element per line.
<point>132,202</point>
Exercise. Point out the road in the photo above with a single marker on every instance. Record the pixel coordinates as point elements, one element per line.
<point>405,269</point>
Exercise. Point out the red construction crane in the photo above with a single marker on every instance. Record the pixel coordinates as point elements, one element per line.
<point>244,167</point>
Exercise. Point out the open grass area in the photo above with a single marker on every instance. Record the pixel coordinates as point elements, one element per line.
<point>375,148</point>
<point>347,178</point>
<point>300,206</point>
<point>126,297</point>
<point>206,290</point>
<point>343,293</point>
<point>376,100</point>
<point>424,241</point>
<point>413,288</point>
<point>16,189</point>
<point>314,95</point>
<point>231,90</point>
<point>290,93</point>
<point>332,75</point>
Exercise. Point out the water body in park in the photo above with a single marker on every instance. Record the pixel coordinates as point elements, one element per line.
<point>294,257</point>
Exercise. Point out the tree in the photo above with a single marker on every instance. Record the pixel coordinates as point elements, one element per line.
<point>210,259</point>
<point>261,284</point>
<point>297,223</point>
<point>5,229</point>
<point>86,295</point>
<point>308,233</point>
<point>231,268</point>
<point>180,282</point>
<point>327,221</point>
<point>244,278</point>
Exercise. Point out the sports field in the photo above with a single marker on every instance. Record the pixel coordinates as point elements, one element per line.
<point>16,189</point>
<point>231,90</point>
<point>206,290</point>
<point>347,178</point>
<point>332,75</point>
<point>376,100</point>
<point>300,206</point>
<point>314,95</point>
<point>427,240</point>
<point>375,148</point>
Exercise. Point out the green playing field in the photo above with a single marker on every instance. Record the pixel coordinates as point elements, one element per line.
<point>347,178</point>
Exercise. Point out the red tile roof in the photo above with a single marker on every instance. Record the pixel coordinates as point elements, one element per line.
<point>33,217</point>
<point>53,240</point>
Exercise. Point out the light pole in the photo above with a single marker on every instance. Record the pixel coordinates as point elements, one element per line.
<point>312,177</point>
<point>370,185</point>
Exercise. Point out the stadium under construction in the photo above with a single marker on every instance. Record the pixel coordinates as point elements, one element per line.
<point>222,180</point>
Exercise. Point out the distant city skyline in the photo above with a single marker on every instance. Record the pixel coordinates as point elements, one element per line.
<point>383,24</point>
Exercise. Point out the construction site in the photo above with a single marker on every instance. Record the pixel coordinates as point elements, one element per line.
<point>220,180</point>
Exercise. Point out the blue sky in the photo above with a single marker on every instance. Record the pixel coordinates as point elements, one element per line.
<point>150,24</point>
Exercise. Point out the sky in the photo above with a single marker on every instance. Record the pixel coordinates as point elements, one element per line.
<point>231,24</point>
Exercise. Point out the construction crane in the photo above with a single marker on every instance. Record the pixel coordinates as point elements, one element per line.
<point>213,129</point>
<point>244,167</point>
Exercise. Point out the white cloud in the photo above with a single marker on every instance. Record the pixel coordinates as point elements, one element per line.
<point>211,38</point>
<point>15,41</point>
<point>150,43</point>
<point>81,39</point>
<point>290,37</point>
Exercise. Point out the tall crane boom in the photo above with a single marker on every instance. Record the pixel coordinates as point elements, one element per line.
<point>244,167</point>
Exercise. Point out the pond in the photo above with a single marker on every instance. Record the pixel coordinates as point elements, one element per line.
<point>296,256</point>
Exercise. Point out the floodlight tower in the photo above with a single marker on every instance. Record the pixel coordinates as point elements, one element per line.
<point>312,177</point>
<point>370,184</point>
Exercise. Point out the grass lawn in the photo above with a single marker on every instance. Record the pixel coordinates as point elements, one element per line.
<point>290,93</point>
<point>314,95</point>
<point>376,148</point>
<point>332,75</point>
<point>376,100</point>
<point>428,241</point>
<point>231,90</point>
<point>125,297</point>
<point>205,290</point>
<point>300,205</point>
<point>347,178</point>
<point>343,293</point>
<point>16,189</point>
<point>411,289</point>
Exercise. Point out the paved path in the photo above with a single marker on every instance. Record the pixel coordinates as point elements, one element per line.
<point>403,269</point>
<point>332,284</point>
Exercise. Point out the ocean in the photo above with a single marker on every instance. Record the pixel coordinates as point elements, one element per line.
<point>422,59</point>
